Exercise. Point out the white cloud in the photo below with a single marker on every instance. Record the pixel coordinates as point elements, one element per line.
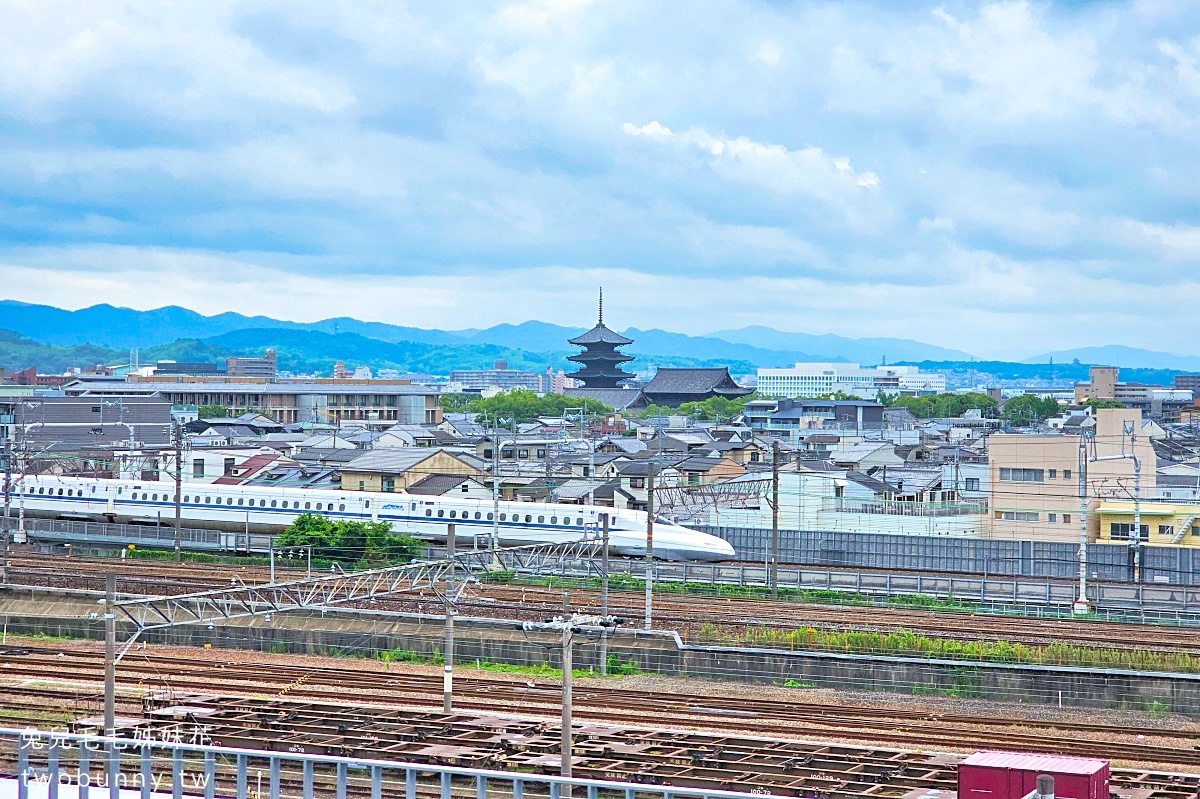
<point>807,171</point>
<point>841,163</point>
<point>768,52</point>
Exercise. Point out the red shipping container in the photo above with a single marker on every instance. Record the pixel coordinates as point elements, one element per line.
<point>1012,775</point>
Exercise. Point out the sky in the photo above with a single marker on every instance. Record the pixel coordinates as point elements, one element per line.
<point>1003,178</point>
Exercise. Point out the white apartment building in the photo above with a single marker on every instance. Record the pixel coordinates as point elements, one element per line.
<point>817,379</point>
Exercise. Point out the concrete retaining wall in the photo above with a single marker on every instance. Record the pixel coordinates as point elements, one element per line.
<point>370,633</point>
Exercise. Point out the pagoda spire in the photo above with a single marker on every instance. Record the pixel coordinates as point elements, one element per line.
<point>601,359</point>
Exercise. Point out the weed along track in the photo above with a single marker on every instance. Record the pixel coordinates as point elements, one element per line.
<point>171,676</point>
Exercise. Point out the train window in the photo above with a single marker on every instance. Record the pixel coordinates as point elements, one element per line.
<point>240,501</point>
<point>579,522</point>
<point>208,500</point>
<point>503,516</point>
<point>367,504</point>
<point>69,493</point>
<point>541,520</point>
<point>489,517</point>
<point>307,505</point>
<point>274,502</point>
<point>262,503</point>
<point>428,512</point>
<point>41,491</point>
<point>554,520</point>
<point>528,518</point>
<point>341,507</point>
<point>477,514</point>
<point>186,498</point>
<point>119,490</point>
<point>155,497</point>
<point>60,492</point>
<point>229,501</point>
<point>329,506</point>
<point>452,514</point>
<point>441,513</point>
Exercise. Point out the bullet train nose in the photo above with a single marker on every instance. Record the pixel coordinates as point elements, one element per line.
<point>680,543</point>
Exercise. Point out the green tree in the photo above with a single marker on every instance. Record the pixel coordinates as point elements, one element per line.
<point>946,406</point>
<point>1030,410</point>
<point>524,405</point>
<point>1098,404</point>
<point>839,396</point>
<point>454,403</point>
<point>212,412</point>
<point>715,407</point>
<point>349,542</point>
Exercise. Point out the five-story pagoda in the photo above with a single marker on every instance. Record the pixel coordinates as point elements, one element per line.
<point>600,360</point>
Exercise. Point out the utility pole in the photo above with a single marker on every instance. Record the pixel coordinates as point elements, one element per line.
<point>604,592</point>
<point>178,489</point>
<point>775,519</point>
<point>492,545</point>
<point>110,653</point>
<point>272,545</point>
<point>1081,603</point>
<point>1136,540</point>
<point>568,665</point>
<point>21,537</point>
<point>448,671</point>
<point>7,503</point>
<point>592,466</point>
<point>649,545</point>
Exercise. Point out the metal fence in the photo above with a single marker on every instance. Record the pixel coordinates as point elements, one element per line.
<point>1160,565</point>
<point>112,534</point>
<point>154,767</point>
<point>891,507</point>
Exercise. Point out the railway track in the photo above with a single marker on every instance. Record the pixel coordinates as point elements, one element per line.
<point>155,672</point>
<point>694,616</point>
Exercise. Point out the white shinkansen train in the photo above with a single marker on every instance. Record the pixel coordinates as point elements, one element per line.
<point>266,509</point>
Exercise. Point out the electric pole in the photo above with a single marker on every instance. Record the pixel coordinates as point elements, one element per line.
<point>110,653</point>
<point>7,503</point>
<point>448,671</point>
<point>178,489</point>
<point>1081,604</point>
<point>649,545</point>
<point>604,592</point>
<point>775,519</point>
<point>568,665</point>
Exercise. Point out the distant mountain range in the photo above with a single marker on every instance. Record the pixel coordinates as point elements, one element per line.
<point>174,332</point>
<point>106,325</point>
<point>1128,357</point>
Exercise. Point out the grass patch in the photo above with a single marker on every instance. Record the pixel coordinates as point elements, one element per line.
<point>616,667</point>
<point>906,643</point>
<point>627,582</point>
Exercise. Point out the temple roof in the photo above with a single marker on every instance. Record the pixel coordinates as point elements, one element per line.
<point>600,335</point>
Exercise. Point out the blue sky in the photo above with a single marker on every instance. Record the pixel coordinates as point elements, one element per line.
<point>1003,178</point>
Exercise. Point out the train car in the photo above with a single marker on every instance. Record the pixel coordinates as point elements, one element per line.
<point>268,509</point>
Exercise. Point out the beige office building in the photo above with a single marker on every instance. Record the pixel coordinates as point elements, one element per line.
<point>1035,491</point>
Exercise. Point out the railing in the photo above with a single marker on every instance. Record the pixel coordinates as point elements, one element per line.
<point>891,507</point>
<point>154,767</point>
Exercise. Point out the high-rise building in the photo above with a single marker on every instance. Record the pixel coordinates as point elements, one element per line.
<point>500,377</point>
<point>262,368</point>
<point>600,360</point>
<point>818,379</point>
